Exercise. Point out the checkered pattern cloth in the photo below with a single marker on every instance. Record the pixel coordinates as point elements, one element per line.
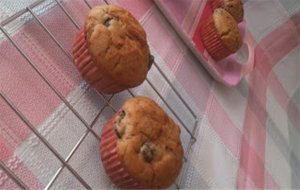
<point>248,137</point>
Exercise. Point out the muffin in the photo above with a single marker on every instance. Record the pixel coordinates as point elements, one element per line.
<point>234,7</point>
<point>220,34</point>
<point>111,50</point>
<point>140,146</point>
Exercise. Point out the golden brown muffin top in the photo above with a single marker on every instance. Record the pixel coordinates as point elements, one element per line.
<point>235,8</point>
<point>149,143</point>
<point>227,29</point>
<point>118,45</point>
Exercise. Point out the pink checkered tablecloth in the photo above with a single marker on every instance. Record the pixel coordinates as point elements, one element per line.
<point>248,136</point>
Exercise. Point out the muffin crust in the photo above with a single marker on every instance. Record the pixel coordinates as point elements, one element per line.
<point>227,29</point>
<point>149,143</point>
<point>235,8</point>
<point>118,45</point>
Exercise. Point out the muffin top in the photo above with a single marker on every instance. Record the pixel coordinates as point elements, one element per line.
<point>118,44</point>
<point>235,8</point>
<point>227,29</point>
<point>149,143</point>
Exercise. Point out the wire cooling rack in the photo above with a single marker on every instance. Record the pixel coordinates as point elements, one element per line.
<point>190,130</point>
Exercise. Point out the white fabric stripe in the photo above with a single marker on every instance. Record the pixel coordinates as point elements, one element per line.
<point>214,162</point>
<point>270,14</point>
<point>276,163</point>
<point>281,158</point>
<point>233,102</point>
<point>18,23</point>
<point>288,71</point>
<point>277,115</point>
<point>292,6</point>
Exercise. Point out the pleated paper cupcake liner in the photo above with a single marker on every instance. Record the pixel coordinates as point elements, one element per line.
<point>88,69</point>
<point>111,162</point>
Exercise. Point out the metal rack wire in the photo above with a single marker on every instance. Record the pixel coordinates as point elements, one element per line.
<point>89,127</point>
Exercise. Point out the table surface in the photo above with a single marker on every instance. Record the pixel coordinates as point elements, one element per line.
<point>247,136</point>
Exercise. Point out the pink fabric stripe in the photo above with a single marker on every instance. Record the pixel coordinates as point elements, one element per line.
<point>245,177</point>
<point>201,88</point>
<point>23,173</point>
<point>262,61</point>
<point>279,44</point>
<point>233,138</point>
<point>26,89</point>
<point>223,125</point>
<point>23,85</point>
<point>279,91</point>
<point>6,151</point>
<point>136,7</point>
<point>254,134</point>
<point>181,8</point>
<point>170,41</point>
<point>20,83</point>
<point>254,168</point>
<point>255,116</point>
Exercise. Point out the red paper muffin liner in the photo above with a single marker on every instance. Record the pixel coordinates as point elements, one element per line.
<point>212,41</point>
<point>88,70</point>
<point>110,159</point>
